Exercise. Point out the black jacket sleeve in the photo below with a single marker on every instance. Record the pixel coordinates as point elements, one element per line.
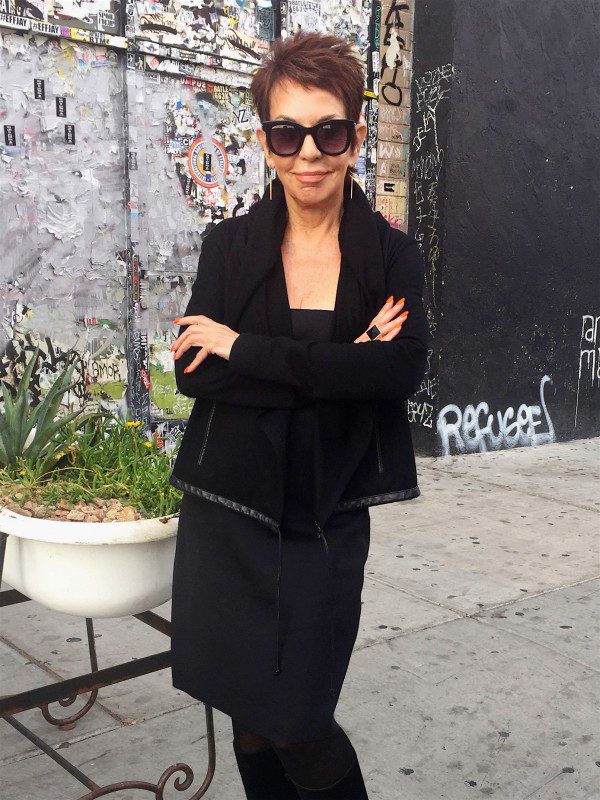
<point>341,370</point>
<point>213,379</point>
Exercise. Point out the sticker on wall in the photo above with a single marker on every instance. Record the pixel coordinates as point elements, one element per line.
<point>227,28</point>
<point>59,17</point>
<point>10,136</point>
<point>207,162</point>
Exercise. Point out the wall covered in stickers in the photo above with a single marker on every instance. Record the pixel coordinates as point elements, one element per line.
<point>127,131</point>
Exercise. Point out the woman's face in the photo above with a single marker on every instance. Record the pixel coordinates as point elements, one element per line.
<point>308,106</point>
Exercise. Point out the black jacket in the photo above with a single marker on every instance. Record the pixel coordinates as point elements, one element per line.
<point>233,448</point>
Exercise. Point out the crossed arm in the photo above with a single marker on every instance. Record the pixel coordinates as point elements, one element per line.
<point>273,371</point>
<point>213,379</point>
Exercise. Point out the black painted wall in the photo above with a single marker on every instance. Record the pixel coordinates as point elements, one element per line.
<point>508,217</point>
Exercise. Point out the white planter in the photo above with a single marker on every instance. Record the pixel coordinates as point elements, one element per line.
<point>90,569</point>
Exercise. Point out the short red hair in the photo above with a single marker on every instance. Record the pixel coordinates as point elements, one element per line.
<point>312,59</point>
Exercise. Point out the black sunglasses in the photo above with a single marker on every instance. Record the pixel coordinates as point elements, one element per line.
<point>332,137</point>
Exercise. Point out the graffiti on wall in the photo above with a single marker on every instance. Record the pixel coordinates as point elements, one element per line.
<point>588,374</point>
<point>427,160</point>
<point>420,406</point>
<point>476,430</point>
<point>395,67</point>
<point>100,373</point>
<point>395,56</point>
<point>427,156</point>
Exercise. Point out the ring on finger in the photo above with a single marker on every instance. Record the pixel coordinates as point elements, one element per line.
<point>373,332</point>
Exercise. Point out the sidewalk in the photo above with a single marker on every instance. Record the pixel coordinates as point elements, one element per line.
<point>475,674</point>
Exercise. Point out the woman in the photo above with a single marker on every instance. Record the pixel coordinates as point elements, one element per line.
<point>300,368</point>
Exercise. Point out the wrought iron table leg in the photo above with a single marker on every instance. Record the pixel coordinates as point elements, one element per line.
<point>3,538</point>
<point>91,682</point>
<point>68,723</point>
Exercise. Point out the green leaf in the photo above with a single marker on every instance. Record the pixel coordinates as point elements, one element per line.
<point>39,443</point>
<point>22,405</point>
<point>4,444</point>
<point>45,413</point>
<point>9,421</point>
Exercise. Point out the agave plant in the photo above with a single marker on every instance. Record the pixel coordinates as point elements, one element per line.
<point>35,436</point>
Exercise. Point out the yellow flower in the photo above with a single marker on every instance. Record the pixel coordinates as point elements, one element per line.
<point>148,444</point>
<point>21,472</point>
<point>137,423</point>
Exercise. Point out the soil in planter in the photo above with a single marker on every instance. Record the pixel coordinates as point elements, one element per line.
<point>96,510</point>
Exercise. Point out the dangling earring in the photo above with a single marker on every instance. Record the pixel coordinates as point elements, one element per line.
<point>271,189</point>
<point>351,185</point>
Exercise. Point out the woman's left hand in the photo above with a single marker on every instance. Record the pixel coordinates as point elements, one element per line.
<point>203,332</point>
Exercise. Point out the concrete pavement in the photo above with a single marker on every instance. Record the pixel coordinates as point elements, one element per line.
<point>475,674</point>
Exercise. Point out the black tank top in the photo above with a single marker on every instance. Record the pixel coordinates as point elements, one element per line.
<point>308,324</point>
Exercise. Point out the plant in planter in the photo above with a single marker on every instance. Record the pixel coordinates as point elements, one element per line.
<point>60,478</point>
<point>80,466</point>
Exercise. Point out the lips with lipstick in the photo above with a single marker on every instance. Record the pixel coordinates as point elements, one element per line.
<point>310,177</point>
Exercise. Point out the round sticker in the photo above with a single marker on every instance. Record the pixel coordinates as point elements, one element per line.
<point>207,162</point>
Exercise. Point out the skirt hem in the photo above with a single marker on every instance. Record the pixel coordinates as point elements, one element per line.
<point>272,734</point>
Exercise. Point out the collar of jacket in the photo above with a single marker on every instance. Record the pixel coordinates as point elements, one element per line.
<point>260,250</point>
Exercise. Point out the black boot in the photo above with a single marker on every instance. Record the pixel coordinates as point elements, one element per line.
<point>350,787</point>
<point>263,776</point>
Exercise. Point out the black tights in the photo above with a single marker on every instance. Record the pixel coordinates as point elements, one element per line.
<point>313,764</point>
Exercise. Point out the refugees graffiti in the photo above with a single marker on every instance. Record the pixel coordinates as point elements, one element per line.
<point>589,356</point>
<point>467,433</point>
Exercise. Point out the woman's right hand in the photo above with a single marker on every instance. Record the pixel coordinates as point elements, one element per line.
<point>386,320</point>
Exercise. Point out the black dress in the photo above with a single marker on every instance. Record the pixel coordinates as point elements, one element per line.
<point>223,609</point>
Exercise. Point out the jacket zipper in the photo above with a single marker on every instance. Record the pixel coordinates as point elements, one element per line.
<point>378,442</point>
<point>321,535</point>
<point>205,440</point>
